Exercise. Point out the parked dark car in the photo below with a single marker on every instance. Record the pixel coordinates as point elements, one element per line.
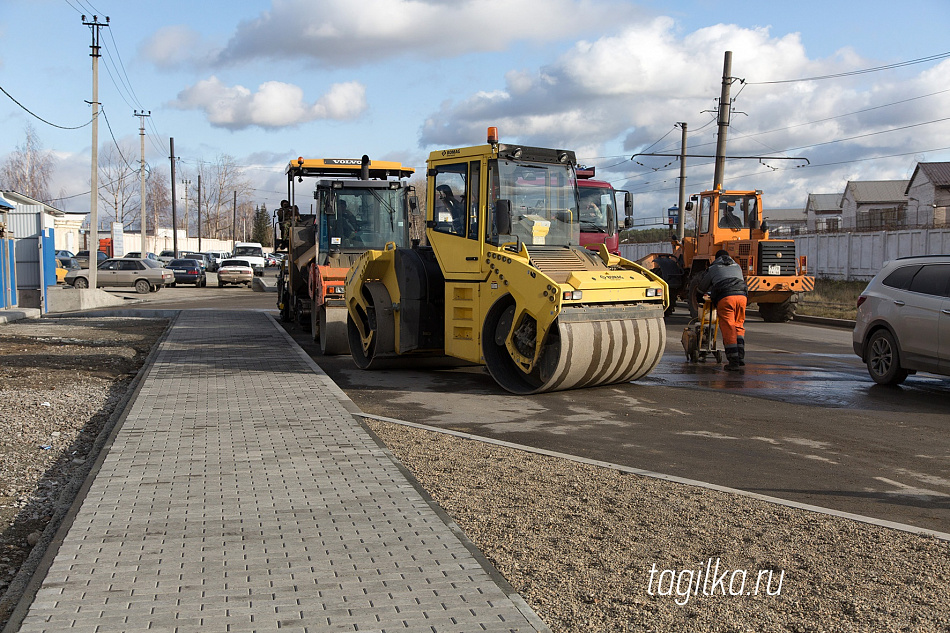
<point>187,271</point>
<point>83,258</point>
<point>203,258</point>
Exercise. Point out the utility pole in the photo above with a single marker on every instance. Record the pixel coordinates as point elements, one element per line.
<point>171,145</point>
<point>187,184</point>
<point>95,25</point>
<point>681,217</point>
<point>141,115</point>
<point>725,110</point>
<point>234,222</point>
<point>199,212</point>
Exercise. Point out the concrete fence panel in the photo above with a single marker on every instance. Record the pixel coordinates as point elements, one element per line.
<point>848,256</point>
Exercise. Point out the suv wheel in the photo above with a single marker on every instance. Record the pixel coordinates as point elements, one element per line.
<point>883,359</point>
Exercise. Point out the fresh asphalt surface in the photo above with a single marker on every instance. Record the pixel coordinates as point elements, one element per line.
<point>804,422</point>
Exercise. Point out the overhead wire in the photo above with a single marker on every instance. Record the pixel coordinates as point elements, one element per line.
<point>852,73</point>
<point>116,143</point>
<point>33,114</point>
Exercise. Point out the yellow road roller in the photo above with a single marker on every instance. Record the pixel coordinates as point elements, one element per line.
<point>503,281</point>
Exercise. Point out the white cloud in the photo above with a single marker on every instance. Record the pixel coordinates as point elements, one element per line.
<point>625,91</point>
<point>176,46</point>
<point>333,32</point>
<point>274,105</point>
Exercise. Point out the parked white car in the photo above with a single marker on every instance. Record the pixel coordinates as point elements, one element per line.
<point>235,271</point>
<point>145,275</point>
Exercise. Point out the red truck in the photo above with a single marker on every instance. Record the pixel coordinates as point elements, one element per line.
<point>599,203</point>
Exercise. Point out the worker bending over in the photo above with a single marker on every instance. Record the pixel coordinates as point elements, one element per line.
<point>726,287</point>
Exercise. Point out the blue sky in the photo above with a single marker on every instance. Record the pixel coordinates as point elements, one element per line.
<point>265,82</point>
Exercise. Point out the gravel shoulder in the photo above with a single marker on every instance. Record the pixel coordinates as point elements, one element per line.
<point>578,542</point>
<point>62,383</point>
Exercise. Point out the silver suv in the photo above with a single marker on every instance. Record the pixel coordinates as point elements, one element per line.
<point>903,321</point>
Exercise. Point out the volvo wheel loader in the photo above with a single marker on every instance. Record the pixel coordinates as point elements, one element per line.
<point>504,281</point>
<point>732,220</point>
<point>358,205</point>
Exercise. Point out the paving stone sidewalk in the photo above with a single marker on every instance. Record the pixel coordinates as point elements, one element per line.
<point>241,495</point>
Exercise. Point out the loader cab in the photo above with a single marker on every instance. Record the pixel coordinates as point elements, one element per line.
<point>723,212</point>
<point>729,220</point>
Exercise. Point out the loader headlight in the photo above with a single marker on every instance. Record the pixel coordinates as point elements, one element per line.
<point>573,295</point>
<point>654,292</point>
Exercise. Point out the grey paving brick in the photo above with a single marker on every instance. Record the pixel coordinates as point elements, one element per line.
<point>240,495</point>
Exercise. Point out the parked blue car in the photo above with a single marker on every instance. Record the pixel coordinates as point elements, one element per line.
<point>187,271</point>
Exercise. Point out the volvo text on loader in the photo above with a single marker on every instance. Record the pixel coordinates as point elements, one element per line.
<point>504,281</point>
<point>357,205</point>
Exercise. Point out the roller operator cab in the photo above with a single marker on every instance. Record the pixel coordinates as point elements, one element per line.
<point>504,281</point>
<point>355,205</point>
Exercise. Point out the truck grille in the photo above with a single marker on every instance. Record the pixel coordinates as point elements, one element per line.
<point>777,258</point>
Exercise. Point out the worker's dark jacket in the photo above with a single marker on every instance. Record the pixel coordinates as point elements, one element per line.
<point>723,279</point>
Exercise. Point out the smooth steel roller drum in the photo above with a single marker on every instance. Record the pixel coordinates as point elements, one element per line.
<point>333,337</point>
<point>585,354</point>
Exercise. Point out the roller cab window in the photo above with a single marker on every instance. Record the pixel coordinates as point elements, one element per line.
<point>539,203</point>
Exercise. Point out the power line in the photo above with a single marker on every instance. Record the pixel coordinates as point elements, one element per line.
<point>119,89</point>
<point>116,143</point>
<point>851,138</point>
<point>127,82</point>
<point>852,73</point>
<point>41,118</point>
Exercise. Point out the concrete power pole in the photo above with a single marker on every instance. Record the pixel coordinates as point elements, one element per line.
<point>95,26</point>
<point>145,249</point>
<point>681,217</point>
<point>199,213</point>
<point>725,110</point>
<point>171,147</point>
<point>187,184</point>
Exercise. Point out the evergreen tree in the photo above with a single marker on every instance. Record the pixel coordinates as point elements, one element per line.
<point>262,232</point>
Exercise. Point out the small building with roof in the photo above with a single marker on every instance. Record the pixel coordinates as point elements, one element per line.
<point>928,195</point>
<point>823,212</point>
<point>874,205</point>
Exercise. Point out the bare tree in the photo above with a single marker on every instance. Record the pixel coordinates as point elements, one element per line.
<point>119,186</point>
<point>158,203</point>
<point>219,181</point>
<point>28,169</point>
<point>417,229</point>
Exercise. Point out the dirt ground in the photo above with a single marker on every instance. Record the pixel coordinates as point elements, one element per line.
<point>62,383</point>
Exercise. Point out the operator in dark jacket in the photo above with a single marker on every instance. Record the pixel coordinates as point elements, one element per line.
<point>726,287</point>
